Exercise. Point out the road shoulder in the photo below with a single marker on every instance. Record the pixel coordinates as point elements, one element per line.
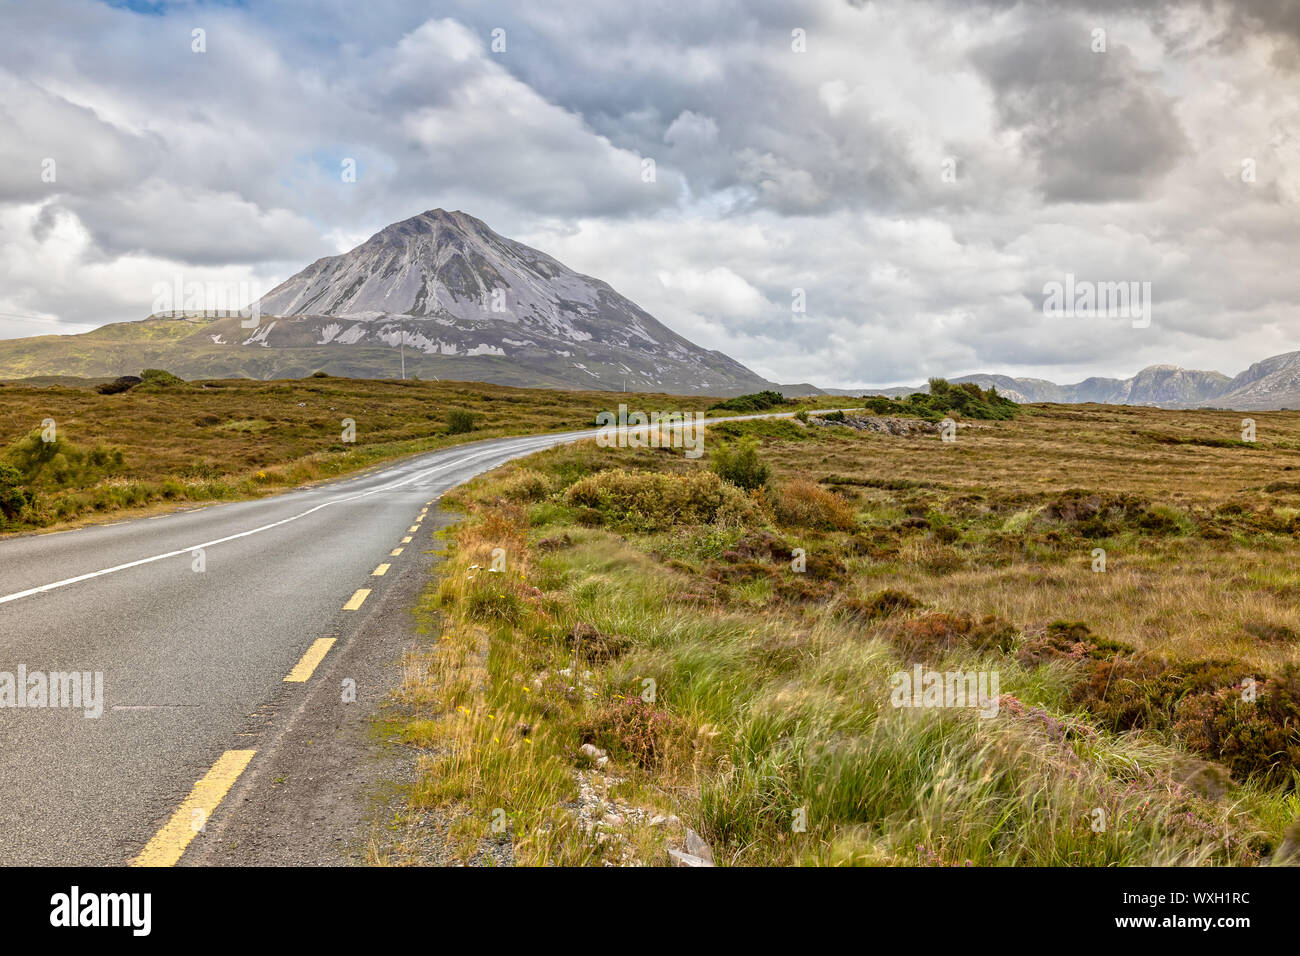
<point>329,777</point>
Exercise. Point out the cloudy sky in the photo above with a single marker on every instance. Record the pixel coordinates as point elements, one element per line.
<point>921,169</point>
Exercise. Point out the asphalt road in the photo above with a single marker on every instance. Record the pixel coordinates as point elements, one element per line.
<point>194,661</point>
<point>188,657</point>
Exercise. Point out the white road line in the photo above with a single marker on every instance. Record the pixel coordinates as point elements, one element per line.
<point>508,451</point>
<point>244,534</point>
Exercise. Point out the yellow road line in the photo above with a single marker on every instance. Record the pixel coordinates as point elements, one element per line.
<point>170,842</point>
<point>357,599</point>
<point>380,571</point>
<point>412,529</point>
<point>315,654</point>
<point>406,540</point>
<point>395,552</point>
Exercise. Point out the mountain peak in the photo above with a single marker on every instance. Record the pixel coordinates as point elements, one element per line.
<point>456,216</point>
<point>428,222</point>
<point>446,283</point>
<point>446,265</point>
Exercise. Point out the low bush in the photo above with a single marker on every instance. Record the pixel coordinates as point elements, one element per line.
<point>648,501</point>
<point>928,637</point>
<point>1093,514</point>
<point>1253,729</point>
<point>61,463</point>
<point>526,485</point>
<point>631,729</point>
<point>739,463</point>
<point>805,504</point>
<point>459,422</point>
<point>15,498</point>
<point>160,378</point>
<point>967,400</point>
<point>880,605</point>
<point>755,402</point>
<point>123,384</point>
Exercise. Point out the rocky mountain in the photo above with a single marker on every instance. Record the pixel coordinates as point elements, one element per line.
<point>1164,385</point>
<point>1270,384</point>
<point>442,295</point>
<point>438,295</point>
<point>444,286</point>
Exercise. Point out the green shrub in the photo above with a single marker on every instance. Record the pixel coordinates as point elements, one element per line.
<point>459,422</point>
<point>118,385</point>
<point>754,402</point>
<point>160,378</point>
<point>648,501</point>
<point>736,509</point>
<point>967,400</point>
<point>14,498</point>
<point>739,464</point>
<point>60,463</point>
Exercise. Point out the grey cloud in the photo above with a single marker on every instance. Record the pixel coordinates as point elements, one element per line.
<point>774,169</point>
<point>198,228</point>
<point>85,152</point>
<point>1095,123</point>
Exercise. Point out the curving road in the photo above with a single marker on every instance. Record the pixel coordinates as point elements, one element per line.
<point>190,658</point>
<point>186,656</point>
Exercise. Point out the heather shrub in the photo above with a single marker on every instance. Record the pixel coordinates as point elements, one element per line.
<point>648,501</point>
<point>526,485</point>
<point>1257,737</point>
<point>930,636</point>
<point>880,605</point>
<point>805,504</point>
<point>630,729</point>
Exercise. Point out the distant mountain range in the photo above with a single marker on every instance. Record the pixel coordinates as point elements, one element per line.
<point>1271,384</point>
<point>442,295</point>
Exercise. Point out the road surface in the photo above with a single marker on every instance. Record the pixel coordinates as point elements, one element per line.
<point>186,656</point>
<point>195,648</point>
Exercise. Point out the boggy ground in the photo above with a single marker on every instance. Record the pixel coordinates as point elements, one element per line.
<point>630,648</point>
<point>70,454</point>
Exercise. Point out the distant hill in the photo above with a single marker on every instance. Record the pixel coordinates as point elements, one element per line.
<point>440,295</point>
<point>1271,384</point>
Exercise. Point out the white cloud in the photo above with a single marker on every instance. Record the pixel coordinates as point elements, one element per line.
<point>774,169</point>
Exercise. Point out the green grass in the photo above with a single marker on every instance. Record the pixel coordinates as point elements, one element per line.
<point>224,439</point>
<point>772,701</point>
